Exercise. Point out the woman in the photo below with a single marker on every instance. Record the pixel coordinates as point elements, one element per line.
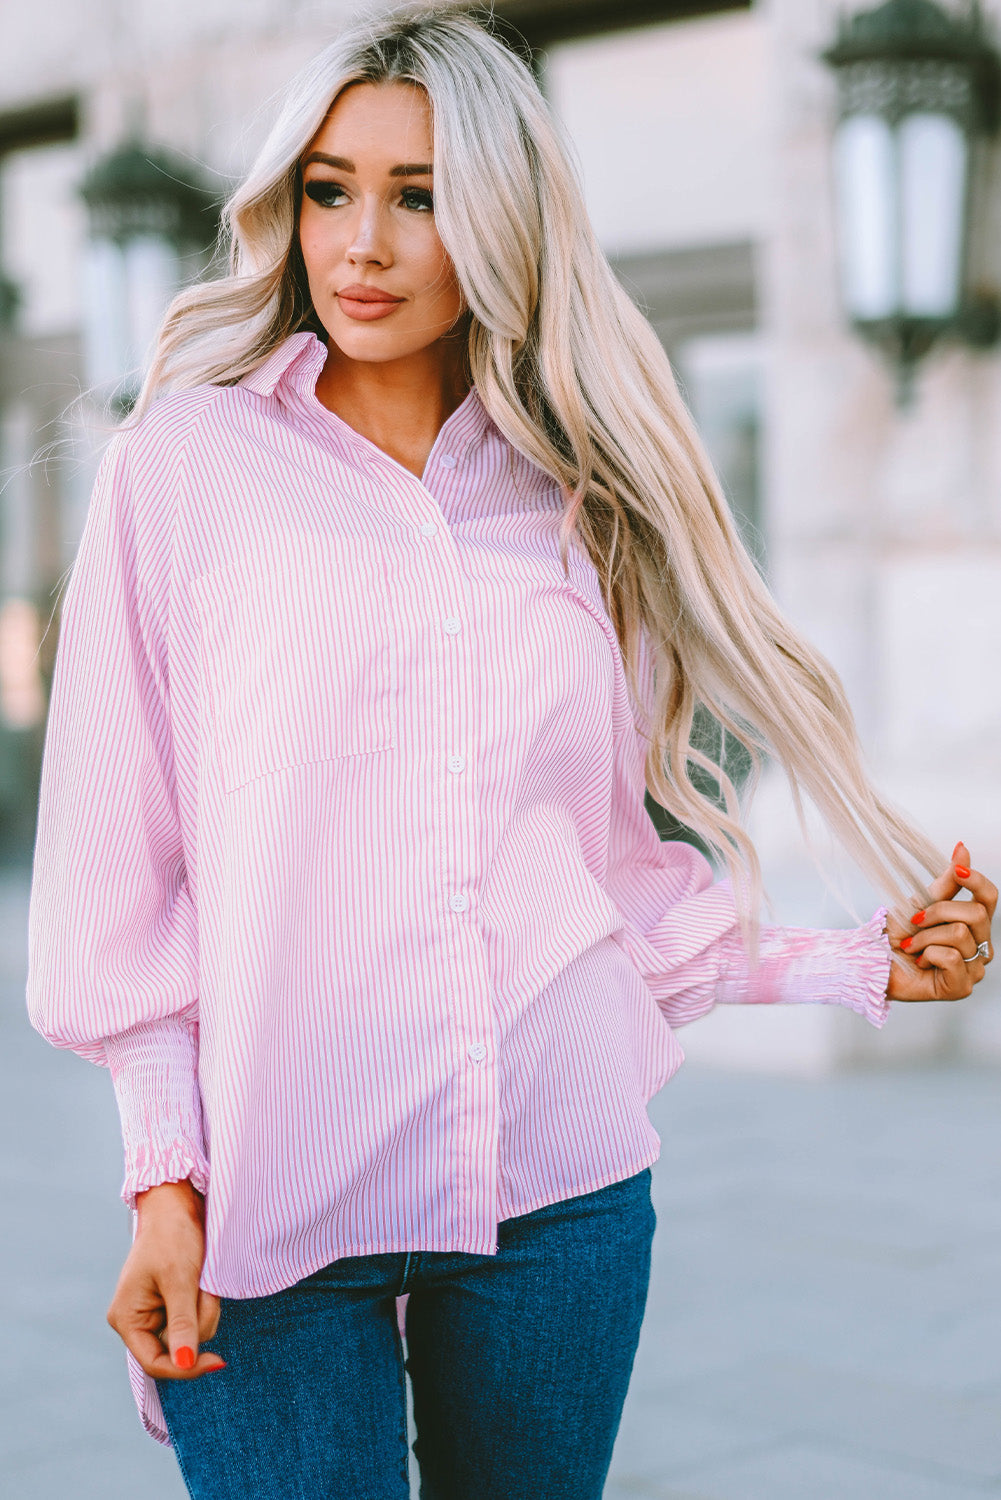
<point>386,612</point>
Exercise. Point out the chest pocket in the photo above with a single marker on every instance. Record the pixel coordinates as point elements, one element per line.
<point>297,653</point>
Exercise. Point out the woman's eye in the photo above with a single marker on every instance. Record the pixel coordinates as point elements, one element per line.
<point>329,194</point>
<point>326,194</point>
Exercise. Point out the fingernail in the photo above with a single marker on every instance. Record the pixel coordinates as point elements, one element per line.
<point>955,852</point>
<point>917,919</point>
<point>211,1370</point>
<point>962,872</point>
<point>184,1357</point>
<point>906,942</point>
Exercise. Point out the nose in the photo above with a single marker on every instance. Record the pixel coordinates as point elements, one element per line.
<point>369,243</point>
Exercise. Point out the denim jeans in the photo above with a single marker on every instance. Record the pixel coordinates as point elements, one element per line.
<point>519,1364</point>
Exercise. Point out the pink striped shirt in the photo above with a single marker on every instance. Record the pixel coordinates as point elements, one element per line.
<point>343,868</point>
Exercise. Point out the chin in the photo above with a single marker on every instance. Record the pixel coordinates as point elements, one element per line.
<point>371,351</point>
<point>372,344</point>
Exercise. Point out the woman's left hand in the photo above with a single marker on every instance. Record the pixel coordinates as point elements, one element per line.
<point>943,945</point>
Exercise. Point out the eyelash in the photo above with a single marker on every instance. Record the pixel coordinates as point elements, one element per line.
<point>322,193</point>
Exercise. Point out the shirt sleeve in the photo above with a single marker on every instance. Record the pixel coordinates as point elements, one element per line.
<point>681,926</point>
<point>112,929</point>
<point>693,957</point>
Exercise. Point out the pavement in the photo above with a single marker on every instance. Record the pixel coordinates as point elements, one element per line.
<point>824,1319</point>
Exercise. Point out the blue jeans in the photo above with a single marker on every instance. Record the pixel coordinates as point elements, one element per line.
<point>519,1364</point>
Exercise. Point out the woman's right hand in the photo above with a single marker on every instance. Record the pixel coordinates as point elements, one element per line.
<point>158,1310</point>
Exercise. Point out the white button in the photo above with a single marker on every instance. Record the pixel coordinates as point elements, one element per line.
<point>459,901</point>
<point>452,626</point>
<point>428,528</point>
<point>456,762</point>
<point>448,460</point>
<point>477,1052</point>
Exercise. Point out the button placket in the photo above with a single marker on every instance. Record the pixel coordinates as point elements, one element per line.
<point>473,1016</point>
<point>461,810</point>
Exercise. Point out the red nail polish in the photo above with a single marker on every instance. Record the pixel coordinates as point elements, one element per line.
<point>955,852</point>
<point>917,918</point>
<point>184,1357</point>
<point>906,942</point>
<point>212,1369</point>
<point>962,872</point>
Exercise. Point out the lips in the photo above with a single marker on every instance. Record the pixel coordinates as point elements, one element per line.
<point>359,293</point>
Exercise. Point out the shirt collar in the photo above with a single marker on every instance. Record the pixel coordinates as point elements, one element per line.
<point>294,367</point>
<point>298,358</point>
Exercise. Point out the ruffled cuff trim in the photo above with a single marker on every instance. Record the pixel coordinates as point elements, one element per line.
<point>868,955</point>
<point>175,1163</point>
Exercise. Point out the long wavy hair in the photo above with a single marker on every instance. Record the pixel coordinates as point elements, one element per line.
<point>575,378</point>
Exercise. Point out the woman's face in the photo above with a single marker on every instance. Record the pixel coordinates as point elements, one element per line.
<point>381,282</point>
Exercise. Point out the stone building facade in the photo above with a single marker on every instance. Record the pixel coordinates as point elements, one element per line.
<point>704,138</point>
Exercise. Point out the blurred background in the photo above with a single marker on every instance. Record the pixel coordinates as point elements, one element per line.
<point>805,197</point>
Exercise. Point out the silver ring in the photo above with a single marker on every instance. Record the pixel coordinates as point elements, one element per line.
<point>983,951</point>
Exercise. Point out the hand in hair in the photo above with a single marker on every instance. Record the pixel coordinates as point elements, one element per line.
<point>939,940</point>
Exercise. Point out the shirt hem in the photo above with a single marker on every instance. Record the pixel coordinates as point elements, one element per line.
<point>605,1180</point>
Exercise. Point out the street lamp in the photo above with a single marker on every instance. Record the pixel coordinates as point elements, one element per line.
<point>918,87</point>
<point>151,223</point>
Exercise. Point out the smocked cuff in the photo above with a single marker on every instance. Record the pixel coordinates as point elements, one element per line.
<point>867,958</point>
<point>830,966</point>
<point>154,1068</point>
<point>851,967</point>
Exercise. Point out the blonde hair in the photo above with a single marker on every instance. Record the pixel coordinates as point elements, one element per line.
<point>575,378</point>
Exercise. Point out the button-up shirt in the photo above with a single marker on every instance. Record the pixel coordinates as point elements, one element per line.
<point>343,866</point>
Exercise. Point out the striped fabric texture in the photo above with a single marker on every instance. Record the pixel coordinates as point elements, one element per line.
<point>342,865</point>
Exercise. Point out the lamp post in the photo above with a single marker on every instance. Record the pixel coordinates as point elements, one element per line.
<point>918,87</point>
<point>150,219</point>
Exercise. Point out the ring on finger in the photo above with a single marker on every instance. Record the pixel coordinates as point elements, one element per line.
<point>983,951</point>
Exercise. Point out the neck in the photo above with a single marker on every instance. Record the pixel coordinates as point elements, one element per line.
<point>401,404</point>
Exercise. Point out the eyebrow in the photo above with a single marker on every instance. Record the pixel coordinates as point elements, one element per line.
<point>405,169</point>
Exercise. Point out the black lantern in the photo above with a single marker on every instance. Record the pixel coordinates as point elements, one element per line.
<point>152,222</point>
<point>918,86</point>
